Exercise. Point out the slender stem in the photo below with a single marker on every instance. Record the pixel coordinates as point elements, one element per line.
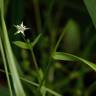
<point>34,59</point>
<point>50,59</point>
<point>59,40</point>
<point>35,63</point>
<point>32,53</point>
<point>46,74</point>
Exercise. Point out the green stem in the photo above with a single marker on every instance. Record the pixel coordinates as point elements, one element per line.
<point>59,40</point>
<point>32,53</point>
<point>34,59</point>
<point>35,62</point>
<point>45,75</point>
<point>50,60</point>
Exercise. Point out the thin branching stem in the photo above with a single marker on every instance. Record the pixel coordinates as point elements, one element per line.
<point>33,55</point>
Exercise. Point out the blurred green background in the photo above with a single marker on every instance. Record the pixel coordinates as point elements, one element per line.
<point>51,18</point>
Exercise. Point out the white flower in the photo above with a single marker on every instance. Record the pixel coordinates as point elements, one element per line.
<point>21,28</point>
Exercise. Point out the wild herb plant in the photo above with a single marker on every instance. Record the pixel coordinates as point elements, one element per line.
<point>44,78</point>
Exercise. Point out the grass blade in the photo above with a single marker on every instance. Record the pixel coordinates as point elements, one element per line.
<point>11,63</point>
<point>5,66</point>
<point>36,40</point>
<point>10,57</point>
<point>91,7</point>
<point>70,57</point>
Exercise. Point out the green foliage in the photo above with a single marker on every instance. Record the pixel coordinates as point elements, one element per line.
<point>21,44</point>
<point>10,57</point>
<point>63,29</point>
<point>70,57</point>
<point>36,40</point>
<point>25,45</point>
<point>91,7</point>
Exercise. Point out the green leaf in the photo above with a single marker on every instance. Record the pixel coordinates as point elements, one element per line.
<point>36,40</point>
<point>21,44</point>
<point>91,7</point>
<point>26,45</point>
<point>70,57</point>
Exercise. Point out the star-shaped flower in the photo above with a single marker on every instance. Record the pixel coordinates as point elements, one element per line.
<point>21,28</point>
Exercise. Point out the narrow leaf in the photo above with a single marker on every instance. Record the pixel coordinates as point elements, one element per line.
<point>91,7</point>
<point>36,40</point>
<point>70,57</point>
<point>10,57</point>
<point>21,44</point>
<point>5,66</point>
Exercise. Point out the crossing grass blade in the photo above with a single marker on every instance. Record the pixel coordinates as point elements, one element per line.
<point>36,85</point>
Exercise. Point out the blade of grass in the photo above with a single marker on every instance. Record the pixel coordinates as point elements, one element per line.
<point>3,55</point>
<point>91,7</point>
<point>62,55</point>
<point>36,40</point>
<point>11,63</point>
<point>10,57</point>
<point>5,66</point>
